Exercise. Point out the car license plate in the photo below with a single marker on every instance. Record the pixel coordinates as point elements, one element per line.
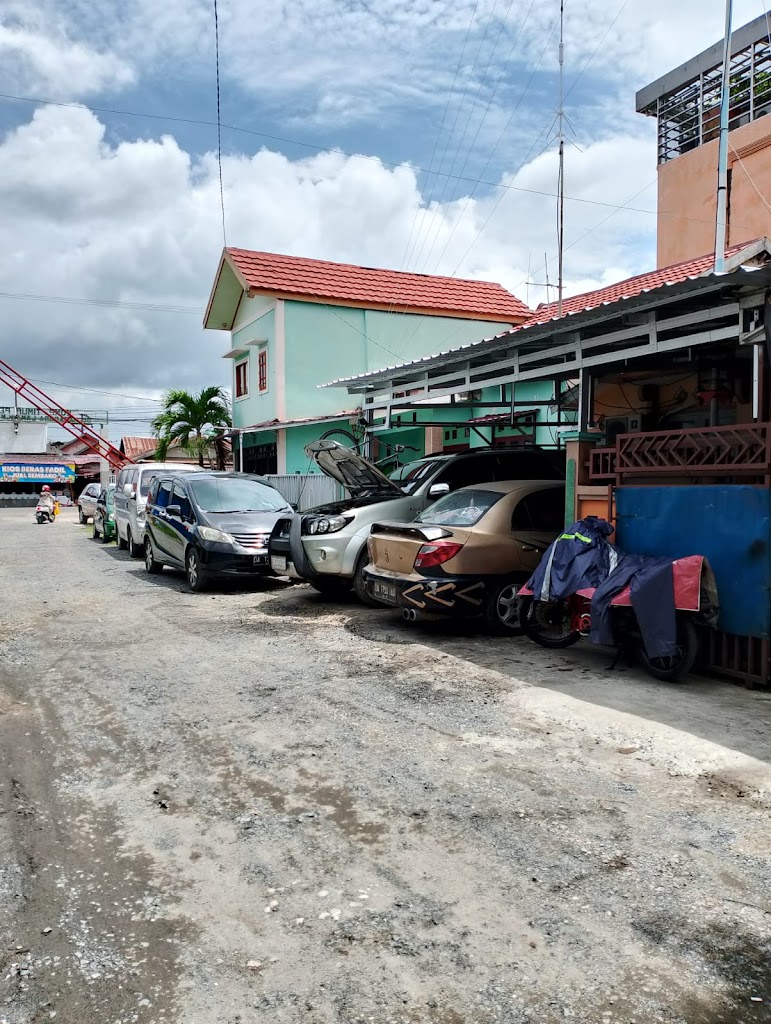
<point>384,591</point>
<point>278,563</point>
<point>259,560</point>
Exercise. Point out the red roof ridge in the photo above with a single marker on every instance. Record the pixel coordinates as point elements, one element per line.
<point>360,266</point>
<point>377,286</point>
<point>675,273</point>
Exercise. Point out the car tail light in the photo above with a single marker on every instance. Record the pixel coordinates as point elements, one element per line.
<point>436,553</point>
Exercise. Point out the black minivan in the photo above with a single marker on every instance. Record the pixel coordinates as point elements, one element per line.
<point>211,524</point>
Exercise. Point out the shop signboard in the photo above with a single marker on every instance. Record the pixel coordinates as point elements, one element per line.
<point>36,473</point>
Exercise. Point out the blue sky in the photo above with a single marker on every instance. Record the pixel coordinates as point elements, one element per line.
<point>109,207</point>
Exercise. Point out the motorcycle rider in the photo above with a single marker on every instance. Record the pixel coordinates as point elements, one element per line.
<point>46,501</point>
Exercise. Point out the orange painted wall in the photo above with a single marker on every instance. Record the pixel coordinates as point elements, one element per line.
<point>687,188</point>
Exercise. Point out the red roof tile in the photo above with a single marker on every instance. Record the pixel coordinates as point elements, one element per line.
<point>134,447</point>
<point>632,286</point>
<point>340,282</point>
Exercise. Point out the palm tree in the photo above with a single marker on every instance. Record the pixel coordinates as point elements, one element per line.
<point>190,421</point>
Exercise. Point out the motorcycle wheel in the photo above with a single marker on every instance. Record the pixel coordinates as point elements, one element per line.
<point>669,670</point>
<point>547,624</point>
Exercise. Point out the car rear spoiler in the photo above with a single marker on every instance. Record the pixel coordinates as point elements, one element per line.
<point>427,532</point>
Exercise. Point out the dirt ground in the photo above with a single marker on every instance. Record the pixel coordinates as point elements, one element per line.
<point>251,806</point>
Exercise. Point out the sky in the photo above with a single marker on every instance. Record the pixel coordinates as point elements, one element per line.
<point>411,134</point>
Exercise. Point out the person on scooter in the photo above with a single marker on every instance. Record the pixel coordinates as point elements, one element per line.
<point>46,500</point>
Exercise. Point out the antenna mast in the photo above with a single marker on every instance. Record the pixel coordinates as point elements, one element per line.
<point>561,183</point>
<point>722,165</point>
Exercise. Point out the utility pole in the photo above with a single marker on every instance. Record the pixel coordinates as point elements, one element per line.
<point>561,188</point>
<point>722,165</point>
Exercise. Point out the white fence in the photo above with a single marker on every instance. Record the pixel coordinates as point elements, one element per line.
<point>307,490</point>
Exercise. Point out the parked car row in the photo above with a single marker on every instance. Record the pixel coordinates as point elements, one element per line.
<point>208,524</point>
<point>445,535</point>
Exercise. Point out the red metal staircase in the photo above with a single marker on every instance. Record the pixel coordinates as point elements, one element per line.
<point>61,416</point>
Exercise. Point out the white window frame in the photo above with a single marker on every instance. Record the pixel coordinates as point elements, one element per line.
<point>236,364</point>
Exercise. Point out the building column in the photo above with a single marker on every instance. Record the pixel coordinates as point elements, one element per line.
<point>281,452</point>
<point>434,440</point>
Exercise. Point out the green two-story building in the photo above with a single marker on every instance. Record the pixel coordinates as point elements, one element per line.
<point>296,324</point>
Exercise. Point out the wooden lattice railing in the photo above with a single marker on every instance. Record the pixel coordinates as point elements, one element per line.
<point>742,450</point>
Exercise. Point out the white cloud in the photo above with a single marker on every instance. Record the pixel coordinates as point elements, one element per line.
<point>39,56</point>
<point>329,63</point>
<point>140,222</point>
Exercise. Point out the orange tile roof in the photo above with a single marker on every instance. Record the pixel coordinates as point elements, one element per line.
<point>632,286</point>
<point>133,447</point>
<point>340,282</point>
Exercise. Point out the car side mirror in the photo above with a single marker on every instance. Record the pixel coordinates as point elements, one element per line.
<point>174,510</point>
<point>438,490</point>
<point>128,490</point>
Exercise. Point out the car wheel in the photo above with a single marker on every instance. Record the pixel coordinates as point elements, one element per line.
<point>502,610</point>
<point>135,550</point>
<point>122,544</point>
<point>360,583</point>
<point>196,578</point>
<point>81,517</point>
<point>105,538</point>
<point>330,586</point>
<point>153,567</point>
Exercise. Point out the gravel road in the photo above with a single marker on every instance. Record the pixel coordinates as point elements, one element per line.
<point>251,806</point>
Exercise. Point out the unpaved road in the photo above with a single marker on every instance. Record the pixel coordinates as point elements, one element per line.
<point>251,807</point>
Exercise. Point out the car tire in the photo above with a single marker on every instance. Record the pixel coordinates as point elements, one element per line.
<point>502,609</point>
<point>196,578</point>
<point>105,538</point>
<point>135,550</point>
<point>360,583</point>
<point>122,544</point>
<point>330,586</point>
<point>153,567</point>
<point>81,517</point>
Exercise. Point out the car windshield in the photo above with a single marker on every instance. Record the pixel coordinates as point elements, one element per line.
<point>231,495</point>
<point>411,476</point>
<point>461,508</point>
<point>145,480</point>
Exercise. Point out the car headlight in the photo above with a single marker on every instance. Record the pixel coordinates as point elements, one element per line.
<point>328,524</point>
<point>209,533</point>
<point>111,518</point>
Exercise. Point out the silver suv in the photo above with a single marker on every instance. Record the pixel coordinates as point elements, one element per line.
<point>327,546</point>
<point>87,502</point>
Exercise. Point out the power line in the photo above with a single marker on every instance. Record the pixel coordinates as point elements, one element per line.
<point>71,300</point>
<point>484,118</point>
<point>94,391</point>
<point>219,119</point>
<point>356,156</point>
<point>436,221</point>
<point>495,149</point>
<point>594,52</point>
<point>441,127</point>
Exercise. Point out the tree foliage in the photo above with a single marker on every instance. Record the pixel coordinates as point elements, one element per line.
<point>190,421</point>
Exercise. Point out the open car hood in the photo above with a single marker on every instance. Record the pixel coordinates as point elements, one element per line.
<point>349,469</point>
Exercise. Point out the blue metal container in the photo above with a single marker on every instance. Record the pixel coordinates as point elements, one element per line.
<point>731,526</point>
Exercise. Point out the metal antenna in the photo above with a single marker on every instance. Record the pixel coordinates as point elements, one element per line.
<point>546,268</point>
<point>722,164</point>
<point>527,294</point>
<point>561,183</point>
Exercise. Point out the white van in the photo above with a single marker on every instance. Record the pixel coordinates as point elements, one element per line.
<point>131,491</point>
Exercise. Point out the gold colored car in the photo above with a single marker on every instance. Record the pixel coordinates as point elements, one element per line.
<point>468,553</point>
